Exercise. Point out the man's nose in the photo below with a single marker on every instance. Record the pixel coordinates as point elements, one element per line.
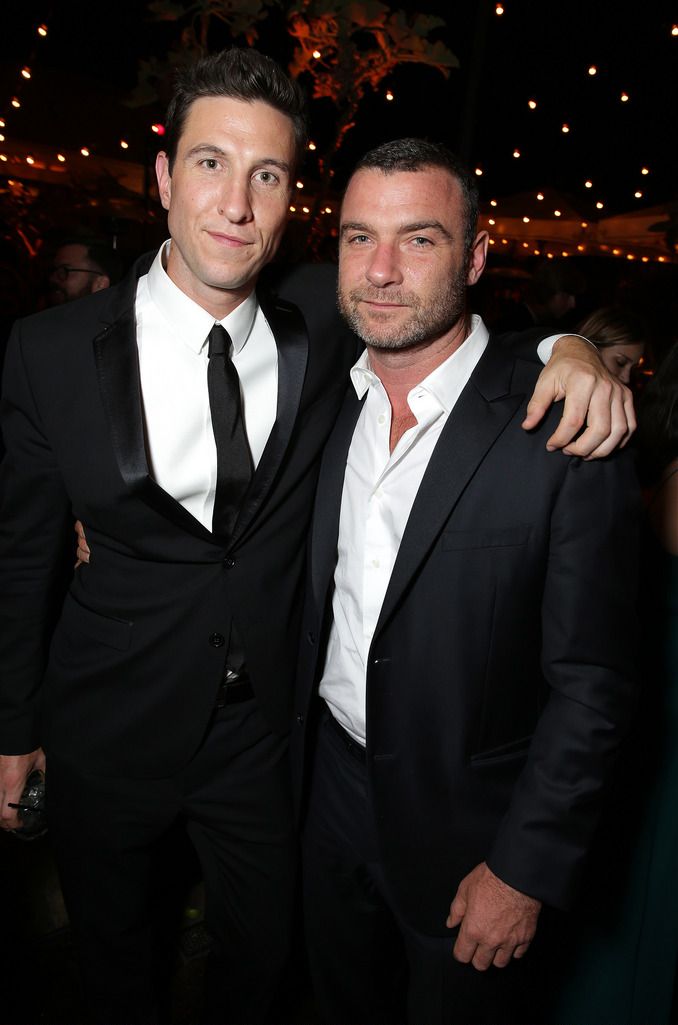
<point>384,267</point>
<point>234,201</point>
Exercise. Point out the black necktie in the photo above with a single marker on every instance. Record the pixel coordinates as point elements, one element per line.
<point>234,462</point>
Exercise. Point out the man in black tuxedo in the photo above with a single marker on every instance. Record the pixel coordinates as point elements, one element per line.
<point>463,683</point>
<point>164,692</point>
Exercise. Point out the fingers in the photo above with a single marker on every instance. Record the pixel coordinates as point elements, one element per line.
<point>482,956</point>
<point>541,401</point>
<point>611,422</point>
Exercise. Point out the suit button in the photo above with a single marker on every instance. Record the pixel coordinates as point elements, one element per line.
<point>217,640</point>
<point>310,637</point>
<point>229,563</point>
<point>300,719</point>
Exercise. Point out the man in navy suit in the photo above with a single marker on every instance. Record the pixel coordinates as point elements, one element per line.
<point>463,684</point>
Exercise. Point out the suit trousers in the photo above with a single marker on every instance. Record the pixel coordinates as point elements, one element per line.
<point>368,965</point>
<point>234,800</point>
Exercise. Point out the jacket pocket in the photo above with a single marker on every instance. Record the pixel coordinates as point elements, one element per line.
<point>77,618</point>
<point>489,537</point>
<point>512,751</point>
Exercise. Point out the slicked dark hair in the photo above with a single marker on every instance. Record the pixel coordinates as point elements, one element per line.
<point>241,74</point>
<point>418,155</point>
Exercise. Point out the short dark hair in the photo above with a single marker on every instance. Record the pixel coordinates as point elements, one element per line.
<point>418,155</point>
<point>100,254</point>
<point>242,75</point>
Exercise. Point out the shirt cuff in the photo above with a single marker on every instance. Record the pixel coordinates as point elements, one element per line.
<point>545,347</point>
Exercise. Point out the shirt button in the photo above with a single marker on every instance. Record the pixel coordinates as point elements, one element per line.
<point>375,563</point>
<point>381,419</point>
<point>217,640</point>
<point>300,718</point>
<point>229,563</point>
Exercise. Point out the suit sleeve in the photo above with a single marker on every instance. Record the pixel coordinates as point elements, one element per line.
<point>35,521</point>
<point>589,663</point>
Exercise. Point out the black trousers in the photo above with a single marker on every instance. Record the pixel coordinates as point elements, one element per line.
<point>235,803</point>
<point>368,965</point>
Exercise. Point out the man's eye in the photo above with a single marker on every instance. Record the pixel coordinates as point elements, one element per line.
<point>359,238</point>
<point>266,177</point>
<point>421,242</point>
<point>210,163</point>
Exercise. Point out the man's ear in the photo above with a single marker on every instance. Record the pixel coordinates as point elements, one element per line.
<point>162,173</point>
<point>100,282</point>
<point>477,257</point>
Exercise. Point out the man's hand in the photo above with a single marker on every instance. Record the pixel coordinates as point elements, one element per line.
<point>593,396</point>
<point>14,770</point>
<point>497,922</point>
<point>83,548</point>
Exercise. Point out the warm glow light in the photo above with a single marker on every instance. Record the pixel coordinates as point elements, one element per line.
<point>328,209</point>
<point>300,185</point>
<point>532,104</point>
<point>293,209</point>
<point>638,194</point>
<point>580,248</point>
<point>491,241</point>
<point>61,158</point>
<point>645,170</point>
<point>312,146</point>
<point>556,213</point>
<point>630,256</point>
<point>389,94</point>
<point>588,184</point>
<point>158,128</point>
<point>30,160</point>
<point>549,256</point>
<point>305,209</point>
<point>624,97</point>
<point>516,153</point>
<point>564,129</point>
<point>526,245</point>
<point>493,202</point>
<point>42,30</point>
<point>674,30</point>
<point>2,138</point>
<point>317,54</point>
<point>593,70</point>
<point>564,253</point>
<point>15,102</point>
<point>537,252</point>
<point>504,242</point>
<point>26,72</point>
<point>3,158</point>
<point>479,171</point>
<point>599,205</point>
<point>645,259</point>
<point>584,224</point>
<point>124,144</point>
<point>84,151</point>
<point>499,9</point>
<point>540,195</point>
<point>616,252</point>
<point>661,259</point>
<point>526,220</point>
<point>2,122</point>
<point>491,221</point>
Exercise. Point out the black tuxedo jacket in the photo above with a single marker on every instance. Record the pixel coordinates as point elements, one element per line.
<point>500,675</point>
<point>129,680</point>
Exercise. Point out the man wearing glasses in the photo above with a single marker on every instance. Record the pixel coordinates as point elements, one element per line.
<point>80,267</point>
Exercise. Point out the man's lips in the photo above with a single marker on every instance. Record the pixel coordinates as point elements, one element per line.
<point>229,240</point>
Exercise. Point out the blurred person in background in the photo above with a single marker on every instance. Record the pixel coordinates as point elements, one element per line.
<point>620,336</point>
<point>81,266</point>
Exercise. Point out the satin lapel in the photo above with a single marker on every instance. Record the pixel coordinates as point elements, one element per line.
<point>117,364</point>
<point>289,331</point>
<point>483,410</point>
<point>325,529</point>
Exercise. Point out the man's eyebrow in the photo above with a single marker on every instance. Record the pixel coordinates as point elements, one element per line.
<point>209,149</point>
<point>403,229</point>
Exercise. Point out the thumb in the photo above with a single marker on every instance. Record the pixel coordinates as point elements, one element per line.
<point>457,910</point>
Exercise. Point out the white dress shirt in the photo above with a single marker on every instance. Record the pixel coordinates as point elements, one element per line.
<point>172,335</point>
<point>379,489</point>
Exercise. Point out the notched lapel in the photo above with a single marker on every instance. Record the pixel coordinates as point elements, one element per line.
<point>289,330</point>
<point>481,413</point>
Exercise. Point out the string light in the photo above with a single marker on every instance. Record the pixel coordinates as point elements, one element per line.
<point>645,259</point>
<point>588,184</point>
<point>491,241</point>
<point>84,151</point>
<point>564,129</point>
<point>624,97</point>
<point>42,30</point>
<point>599,205</point>
<point>317,54</point>
<point>61,158</point>
<point>556,213</point>
<point>638,194</point>
<point>645,170</point>
<point>479,171</point>
<point>124,144</point>
<point>305,209</point>
<point>15,102</point>
<point>158,129</point>
<point>293,209</point>
<point>630,256</point>
<point>389,95</point>
<point>312,146</point>
<point>540,195</point>
<point>674,30</point>
<point>300,185</point>
<point>593,70</point>
<point>26,73</point>
<point>499,9</point>
<point>328,209</point>
<point>2,137</point>
<point>532,104</point>
<point>526,220</point>
<point>491,221</point>
<point>30,160</point>
<point>2,122</point>
<point>516,153</point>
<point>493,202</point>
<point>3,158</point>
<point>584,224</point>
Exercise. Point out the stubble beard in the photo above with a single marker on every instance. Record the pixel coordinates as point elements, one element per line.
<point>425,323</point>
